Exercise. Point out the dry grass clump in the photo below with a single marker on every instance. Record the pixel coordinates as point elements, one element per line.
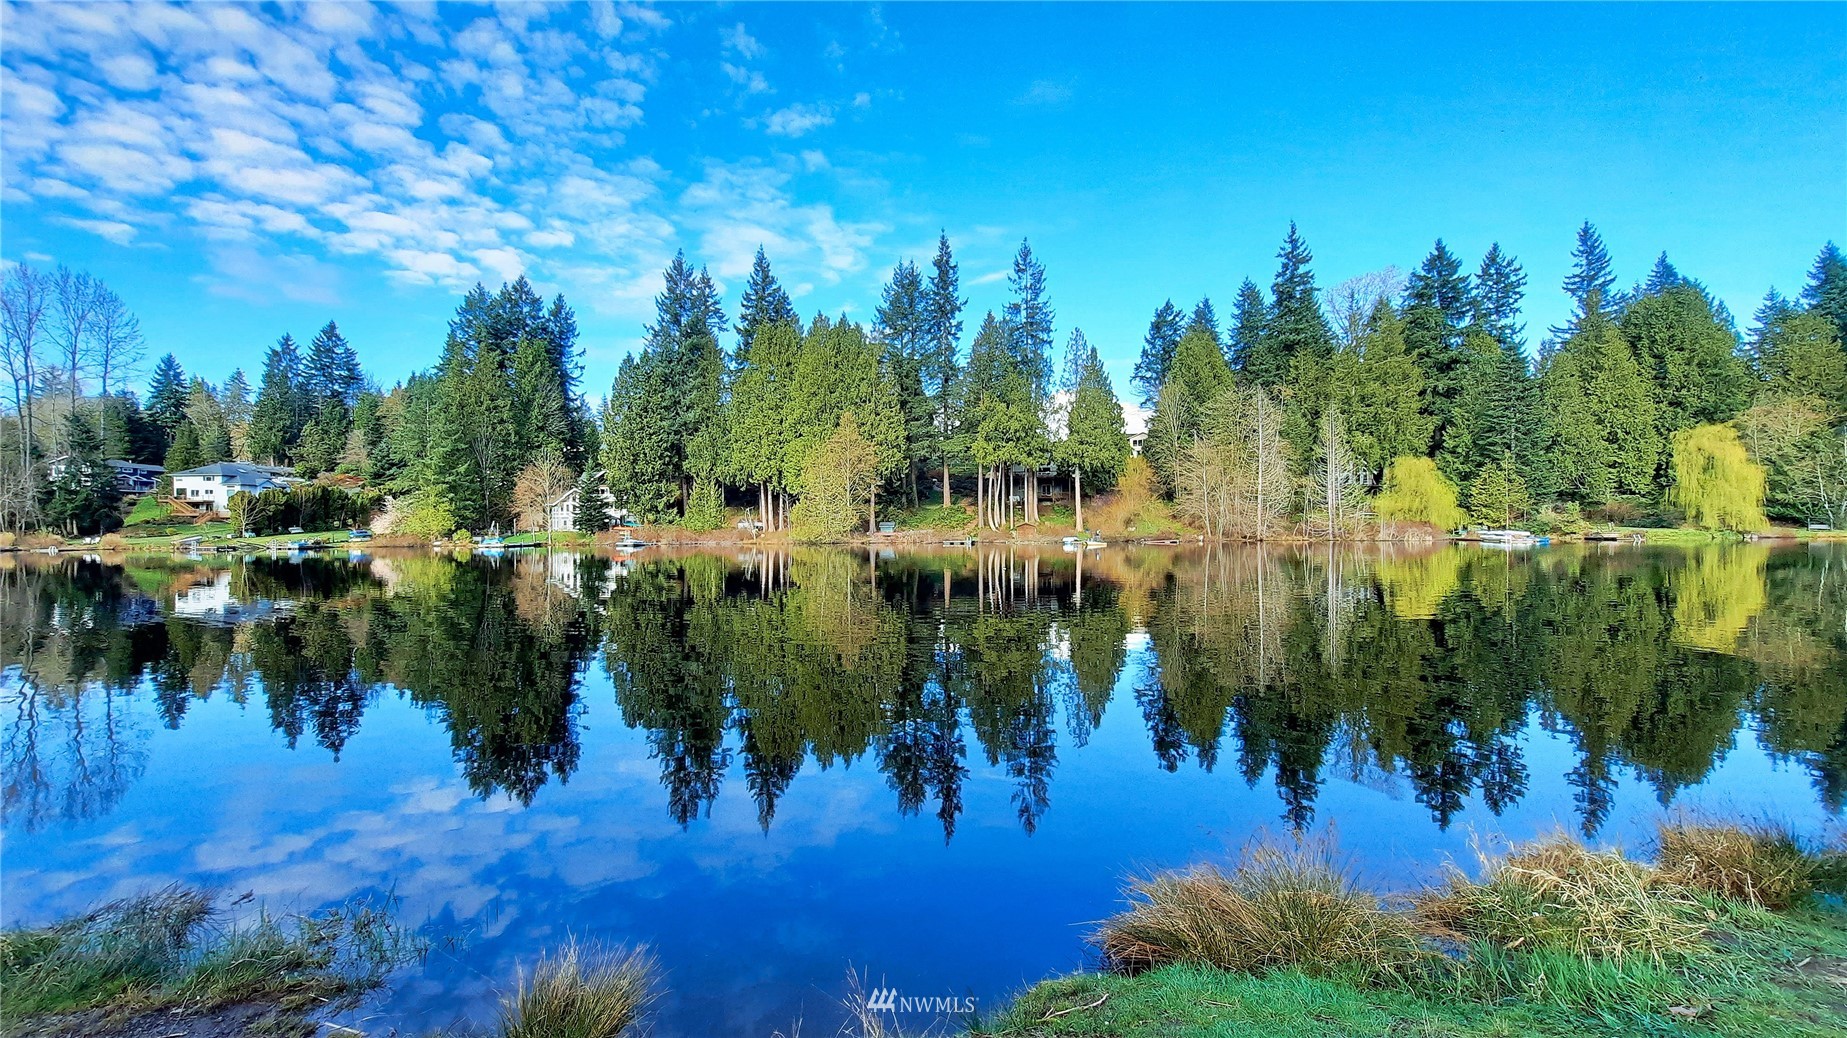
<point>1758,864</point>
<point>1283,907</point>
<point>580,991</point>
<point>1555,894</point>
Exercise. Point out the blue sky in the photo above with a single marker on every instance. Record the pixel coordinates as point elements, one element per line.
<point>236,172</point>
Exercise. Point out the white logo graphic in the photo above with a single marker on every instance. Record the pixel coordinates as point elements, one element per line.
<point>888,1000</point>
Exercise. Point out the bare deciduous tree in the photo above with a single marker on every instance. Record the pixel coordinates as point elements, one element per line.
<point>1351,302</point>
<point>540,484</point>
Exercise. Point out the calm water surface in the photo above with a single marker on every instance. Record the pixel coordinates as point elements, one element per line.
<point>774,767</point>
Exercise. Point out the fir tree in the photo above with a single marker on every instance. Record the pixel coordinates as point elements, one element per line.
<point>1094,445</point>
<point>184,452</point>
<point>1601,416</point>
<point>1204,318</point>
<point>83,497</point>
<point>234,399</point>
<point>1164,333</point>
<point>1249,319</point>
<point>1438,306</point>
<point>764,302</point>
<point>276,420</point>
<point>1077,353</point>
<point>942,327</point>
<point>1826,292</point>
<point>1802,357</point>
<point>592,510</point>
<point>1030,315</point>
<point>1294,325</point>
<point>1378,389</point>
<point>1770,313</point>
<point>899,325</point>
<point>1199,374</point>
<point>1662,277</point>
<point>1689,356</point>
<point>1590,282</point>
<point>1500,288</point>
<point>331,373</point>
<point>167,395</point>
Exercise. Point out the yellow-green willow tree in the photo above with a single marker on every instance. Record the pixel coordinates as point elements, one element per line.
<point>1716,483</point>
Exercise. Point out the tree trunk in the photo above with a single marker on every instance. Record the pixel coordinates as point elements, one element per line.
<point>872,509</point>
<point>945,482</point>
<point>1077,495</point>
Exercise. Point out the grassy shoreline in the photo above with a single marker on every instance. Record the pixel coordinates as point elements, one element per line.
<point>1732,931</point>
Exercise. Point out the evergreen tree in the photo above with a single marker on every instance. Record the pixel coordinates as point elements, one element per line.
<point>1030,315</point>
<point>1378,388</point>
<point>1095,445</point>
<point>1590,282</point>
<point>759,420</point>
<point>638,445</point>
<point>1438,306</point>
<point>167,396</point>
<point>1249,319</point>
<point>1689,356</point>
<point>1826,292</point>
<point>1294,325</point>
<point>1199,374</point>
<point>234,400</point>
<point>942,326</point>
<point>1663,277</point>
<point>83,498</point>
<point>900,326</point>
<point>1601,416</point>
<point>592,510</point>
<point>764,302</point>
<point>539,401</point>
<point>1802,357</point>
<point>1164,333</point>
<point>1500,287</point>
<point>1204,318</point>
<point>276,419</point>
<point>1771,311</point>
<point>184,452</point>
<point>1071,369</point>
<point>1497,421</point>
<point>331,373</point>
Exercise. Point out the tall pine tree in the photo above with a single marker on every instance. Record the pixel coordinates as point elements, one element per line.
<point>942,317</point>
<point>1164,332</point>
<point>764,302</point>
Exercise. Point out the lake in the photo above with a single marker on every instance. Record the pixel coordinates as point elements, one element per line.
<point>775,766</point>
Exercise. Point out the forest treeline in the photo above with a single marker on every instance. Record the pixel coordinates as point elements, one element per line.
<point>1416,398</point>
<point>1293,668</point>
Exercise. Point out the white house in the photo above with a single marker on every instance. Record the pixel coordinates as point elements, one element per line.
<point>212,486</point>
<point>563,512</point>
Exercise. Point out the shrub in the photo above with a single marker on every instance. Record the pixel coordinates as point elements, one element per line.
<point>1556,894</point>
<point>580,991</point>
<point>1282,907</point>
<point>1759,864</point>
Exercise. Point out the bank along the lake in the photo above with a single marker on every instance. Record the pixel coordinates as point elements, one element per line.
<point>1731,929</point>
<point>868,758</point>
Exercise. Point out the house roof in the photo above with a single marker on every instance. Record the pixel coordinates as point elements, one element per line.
<point>236,470</point>
<point>133,466</point>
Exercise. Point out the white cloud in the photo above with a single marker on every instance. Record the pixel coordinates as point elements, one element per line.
<point>293,140</point>
<point>739,41</point>
<point>798,119</point>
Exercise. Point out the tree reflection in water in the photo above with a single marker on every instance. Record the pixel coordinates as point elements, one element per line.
<point>1295,666</point>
